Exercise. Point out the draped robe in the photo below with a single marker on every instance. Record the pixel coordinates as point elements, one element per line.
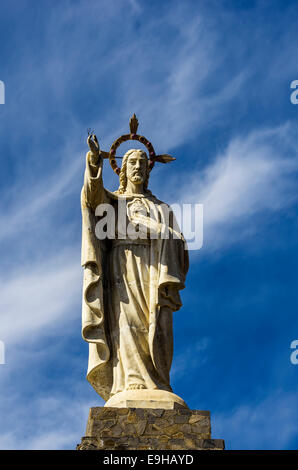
<point>130,290</point>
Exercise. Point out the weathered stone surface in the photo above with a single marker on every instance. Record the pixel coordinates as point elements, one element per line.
<point>148,429</point>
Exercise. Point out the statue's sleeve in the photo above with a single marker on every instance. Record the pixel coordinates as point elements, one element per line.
<point>93,314</point>
<point>94,191</point>
<point>93,194</point>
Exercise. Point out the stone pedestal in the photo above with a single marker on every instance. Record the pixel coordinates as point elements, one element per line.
<point>110,428</point>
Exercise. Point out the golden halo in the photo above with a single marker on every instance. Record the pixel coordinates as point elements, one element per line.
<point>133,124</point>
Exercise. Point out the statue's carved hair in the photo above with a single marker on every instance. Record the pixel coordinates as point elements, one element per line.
<point>123,176</point>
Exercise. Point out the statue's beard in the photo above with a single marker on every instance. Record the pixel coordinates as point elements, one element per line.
<point>137,179</point>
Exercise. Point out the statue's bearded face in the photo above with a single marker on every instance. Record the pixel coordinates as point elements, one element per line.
<point>136,169</point>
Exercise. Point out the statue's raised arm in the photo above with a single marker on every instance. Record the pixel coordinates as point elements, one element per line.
<point>93,185</point>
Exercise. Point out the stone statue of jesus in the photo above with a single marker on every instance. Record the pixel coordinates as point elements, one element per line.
<point>131,284</point>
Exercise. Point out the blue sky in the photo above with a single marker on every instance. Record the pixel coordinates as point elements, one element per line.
<point>210,84</point>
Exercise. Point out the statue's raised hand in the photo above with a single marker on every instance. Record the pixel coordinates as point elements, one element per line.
<point>94,153</point>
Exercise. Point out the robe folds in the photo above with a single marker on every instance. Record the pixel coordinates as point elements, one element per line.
<point>130,290</point>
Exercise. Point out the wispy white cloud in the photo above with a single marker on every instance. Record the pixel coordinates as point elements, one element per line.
<point>176,105</point>
<point>39,296</point>
<point>175,76</point>
<point>30,207</point>
<point>255,175</point>
<point>46,422</point>
<point>270,423</point>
